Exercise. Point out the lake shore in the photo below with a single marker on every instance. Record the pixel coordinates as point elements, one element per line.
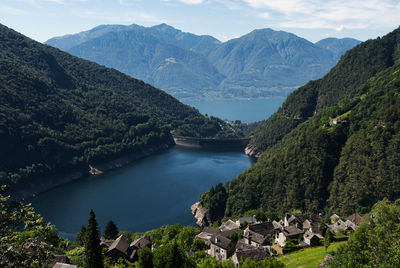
<point>34,187</point>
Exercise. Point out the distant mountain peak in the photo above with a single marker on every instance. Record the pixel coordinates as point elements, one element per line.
<point>166,28</point>
<point>262,63</point>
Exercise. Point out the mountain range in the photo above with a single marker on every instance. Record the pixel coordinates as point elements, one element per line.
<point>262,63</point>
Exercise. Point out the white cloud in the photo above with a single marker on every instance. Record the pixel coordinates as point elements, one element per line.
<point>264,15</point>
<point>122,17</point>
<point>340,28</point>
<point>191,2</point>
<point>11,10</point>
<point>330,14</point>
<point>56,1</point>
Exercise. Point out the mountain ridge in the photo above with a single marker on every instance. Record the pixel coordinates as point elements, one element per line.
<point>237,69</point>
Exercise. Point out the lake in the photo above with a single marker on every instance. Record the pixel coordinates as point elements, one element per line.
<point>157,190</point>
<point>244,110</point>
<point>144,195</point>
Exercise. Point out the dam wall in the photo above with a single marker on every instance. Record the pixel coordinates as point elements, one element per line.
<point>211,143</point>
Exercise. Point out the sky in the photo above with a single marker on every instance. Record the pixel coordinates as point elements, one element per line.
<point>223,19</point>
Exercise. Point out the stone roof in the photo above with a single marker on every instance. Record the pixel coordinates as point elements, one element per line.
<point>64,265</point>
<point>121,244</point>
<point>341,225</point>
<point>302,218</point>
<point>256,237</point>
<point>203,236</point>
<point>229,232</point>
<point>141,242</point>
<point>310,235</point>
<point>263,228</point>
<point>251,219</point>
<point>291,231</point>
<point>277,225</point>
<point>334,217</point>
<point>210,230</point>
<point>221,242</point>
<point>229,225</point>
<point>357,219</point>
<point>207,233</point>
<point>351,224</point>
<point>242,245</point>
<point>257,253</point>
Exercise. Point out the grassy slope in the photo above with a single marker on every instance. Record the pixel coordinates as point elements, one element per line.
<point>310,257</point>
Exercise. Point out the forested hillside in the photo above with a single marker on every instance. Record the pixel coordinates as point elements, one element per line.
<point>354,68</point>
<point>341,159</point>
<point>59,112</point>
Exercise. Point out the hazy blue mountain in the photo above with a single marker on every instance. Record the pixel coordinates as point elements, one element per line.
<point>202,44</point>
<point>337,46</point>
<point>260,64</point>
<point>150,56</point>
<point>267,62</point>
<point>68,41</point>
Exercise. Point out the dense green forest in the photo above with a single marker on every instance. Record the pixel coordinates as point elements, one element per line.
<point>59,112</point>
<point>353,69</point>
<point>343,158</point>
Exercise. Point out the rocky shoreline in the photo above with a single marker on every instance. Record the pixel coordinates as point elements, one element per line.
<point>201,215</point>
<point>252,151</point>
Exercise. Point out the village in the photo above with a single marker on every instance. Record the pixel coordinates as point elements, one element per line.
<point>246,237</point>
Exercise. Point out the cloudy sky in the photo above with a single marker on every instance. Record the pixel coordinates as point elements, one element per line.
<point>223,19</point>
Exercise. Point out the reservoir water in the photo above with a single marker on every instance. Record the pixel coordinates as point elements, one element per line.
<point>244,110</point>
<point>157,190</point>
<point>144,195</point>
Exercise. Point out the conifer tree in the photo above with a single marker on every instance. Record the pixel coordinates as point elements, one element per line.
<point>80,237</point>
<point>175,258</point>
<point>145,258</point>
<point>94,256</point>
<point>111,231</point>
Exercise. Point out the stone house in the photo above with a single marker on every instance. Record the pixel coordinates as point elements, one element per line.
<point>229,225</point>
<point>312,239</point>
<point>249,220</point>
<point>357,219</point>
<point>334,217</point>
<point>104,243</point>
<point>260,234</point>
<point>289,232</point>
<point>139,243</point>
<point>341,227</point>
<point>206,234</point>
<point>221,248</point>
<point>119,248</point>
<point>302,221</point>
